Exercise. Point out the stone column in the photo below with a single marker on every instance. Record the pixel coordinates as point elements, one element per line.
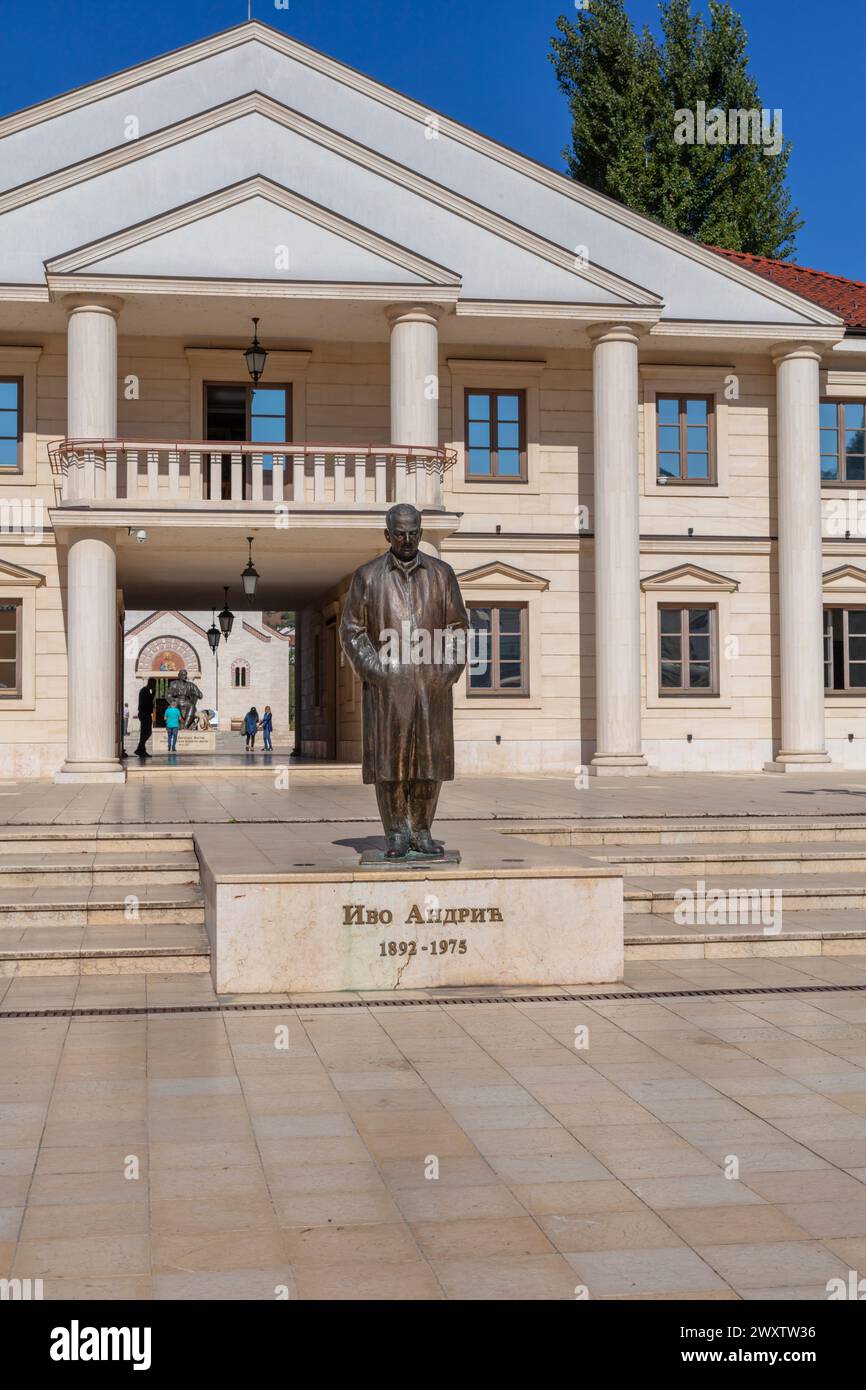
<point>91,601</point>
<point>91,370</point>
<point>798,474</point>
<point>415,387</point>
<point>91,634</point>
<point>616,488</point>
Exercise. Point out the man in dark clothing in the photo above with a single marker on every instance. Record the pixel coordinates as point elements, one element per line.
<point>145,718</point>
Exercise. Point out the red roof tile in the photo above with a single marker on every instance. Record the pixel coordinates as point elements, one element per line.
<point>847,298</point>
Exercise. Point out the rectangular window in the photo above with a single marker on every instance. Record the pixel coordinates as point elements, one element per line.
<point>498,652</point>
<point>843,441</point>
<point>495,436</point>
<point>684,439</point>
<point>688,658</point>
<point>10,650</point>
<point>845,649</point>
<point>11,417</point>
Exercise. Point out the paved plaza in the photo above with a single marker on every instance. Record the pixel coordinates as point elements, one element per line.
<point>710,1146</point>
<point>285,791</point>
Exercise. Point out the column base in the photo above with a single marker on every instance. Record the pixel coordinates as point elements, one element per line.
<point>108,771</point>
<point>618,765</point>
<point>797,762</point>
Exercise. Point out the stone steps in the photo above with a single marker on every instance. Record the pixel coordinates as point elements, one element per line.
<point>650,936</point>
<point>87,900</point>
<point>52,840</point>
<point>701,858</point>
<point>686,830</point>
<point>105,869</point>
<point>800,892</point>
<point>69,950</point>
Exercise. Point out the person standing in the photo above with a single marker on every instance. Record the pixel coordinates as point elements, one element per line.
<point>251,724</point>
<point>145,718</point>
<point>172,724</point>
<point>125,725</point>
<point>267,728</point>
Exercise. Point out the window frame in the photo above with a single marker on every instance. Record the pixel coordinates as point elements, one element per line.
<point>495,691</point>
<point>857,691</point>
<point>493,393</point>
<point>240,667</point>
<point>682,399</point>
<point>688,692</point>
<point>17,604</point>
<point>841,453</point>
<point>17,470</point>
<point>249,387</point>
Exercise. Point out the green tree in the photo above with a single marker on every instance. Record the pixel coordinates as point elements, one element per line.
<point>627,94</point>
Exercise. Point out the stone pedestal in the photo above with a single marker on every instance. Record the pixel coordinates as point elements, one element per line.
<point>374,929</point>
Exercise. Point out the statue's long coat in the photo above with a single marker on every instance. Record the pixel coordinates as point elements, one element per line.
<point>408,723</point>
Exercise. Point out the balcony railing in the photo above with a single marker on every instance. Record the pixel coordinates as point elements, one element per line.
<point>185,471</point>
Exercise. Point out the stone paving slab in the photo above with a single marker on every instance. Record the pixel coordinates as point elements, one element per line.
<point>440,1151</point>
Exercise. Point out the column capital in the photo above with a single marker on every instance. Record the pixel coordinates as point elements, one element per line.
<point>93,303</point>
<point>795,351</point>
<point>613,332</point>
<point>413,313</point>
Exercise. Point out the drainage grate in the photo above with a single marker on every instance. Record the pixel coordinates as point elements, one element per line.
<point>416,1002</point>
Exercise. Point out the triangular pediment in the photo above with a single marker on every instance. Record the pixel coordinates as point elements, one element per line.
<point>73,166</point>
<point>689,577</point>
<point>19,575</point>
<point>253,230</point>
<point>845,577</point>
<point>503,576</point>
<point>160,615</point>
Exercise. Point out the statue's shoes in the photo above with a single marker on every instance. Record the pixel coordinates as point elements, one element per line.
<point>424,843</point>
<point>397,847</point>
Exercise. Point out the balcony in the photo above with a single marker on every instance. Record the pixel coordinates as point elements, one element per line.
<point>230,475</point>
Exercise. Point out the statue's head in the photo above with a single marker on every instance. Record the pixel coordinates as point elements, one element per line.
<point>182,675</point>
<point>403,530</point>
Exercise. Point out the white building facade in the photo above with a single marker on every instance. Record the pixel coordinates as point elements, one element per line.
<point>642,459</point>
<point>250,667</point>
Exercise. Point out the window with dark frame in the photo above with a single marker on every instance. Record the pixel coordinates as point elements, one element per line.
<point>842,426</point>
<point>11,431</point>
<point>685,444</point>
<point>237,412</point>
<point>10,650</point>
<point>845,649</point>
<point>688,650</point>
<point>495,436</point>
<point>239,673</point>
<point>498,652</point>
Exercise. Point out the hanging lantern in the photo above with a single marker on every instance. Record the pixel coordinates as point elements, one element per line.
<point>255,355</point>
<point>250,576</point>
<point>227,617</point>
<point>213,633</point>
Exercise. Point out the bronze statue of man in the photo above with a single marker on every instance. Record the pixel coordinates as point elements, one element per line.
<point>187,694</point>
<point>404,631</point>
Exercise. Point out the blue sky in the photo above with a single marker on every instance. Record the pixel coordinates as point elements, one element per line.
<point>485,63</point>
